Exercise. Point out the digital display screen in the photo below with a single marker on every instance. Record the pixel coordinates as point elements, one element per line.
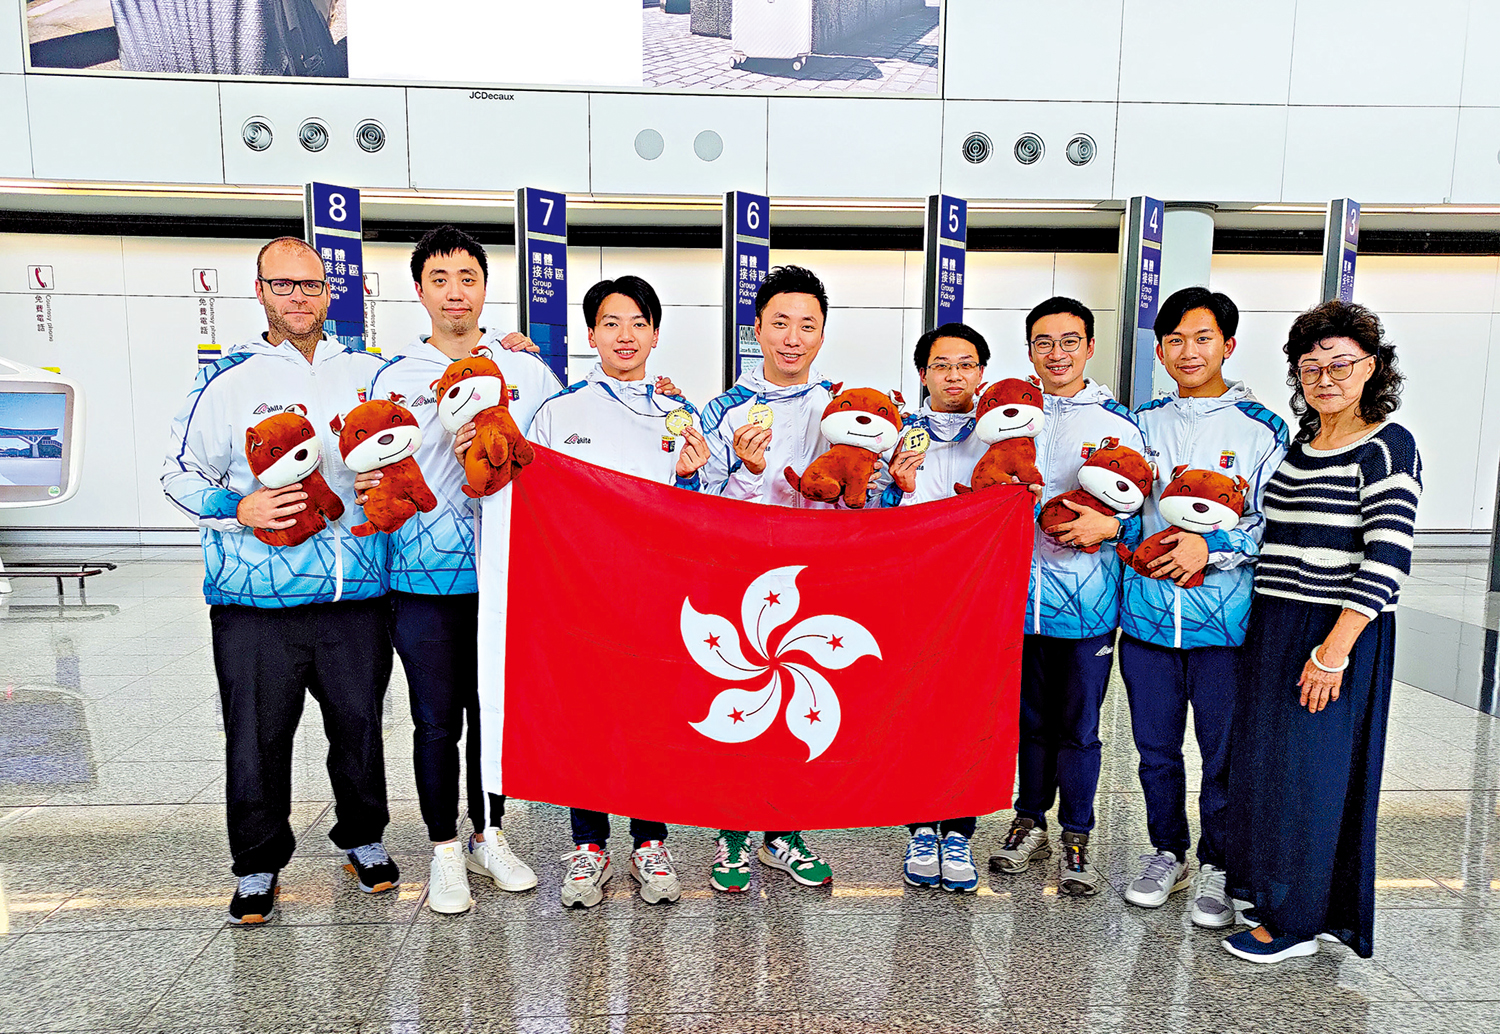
<point>32,446</point>
<point>877,46</point>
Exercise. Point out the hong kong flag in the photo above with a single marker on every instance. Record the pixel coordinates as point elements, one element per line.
<point>664,654</point>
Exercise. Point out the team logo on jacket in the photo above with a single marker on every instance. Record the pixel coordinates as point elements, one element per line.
<point>668,443</point>
<point>1087,450</point>
<point>1226,459</point>
<point>831,641</point>
<point>362,393</point>
<point>576,439</point>
<point>515,393</point>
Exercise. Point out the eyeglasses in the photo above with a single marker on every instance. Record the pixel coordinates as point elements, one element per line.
<point>940,368</point>
<point>311,288</point>
<point>1339,370</point>
<point>1068,343</point>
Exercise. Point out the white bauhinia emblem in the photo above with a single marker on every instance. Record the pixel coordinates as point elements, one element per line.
<point>831,641</point>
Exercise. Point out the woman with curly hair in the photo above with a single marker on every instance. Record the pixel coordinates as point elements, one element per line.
<point>1309,728</point>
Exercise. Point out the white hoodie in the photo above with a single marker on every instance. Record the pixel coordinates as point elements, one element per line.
<point>950,459</point>
<point>796,438</point>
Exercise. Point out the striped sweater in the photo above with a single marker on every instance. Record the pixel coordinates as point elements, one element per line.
<point>1339,522</point>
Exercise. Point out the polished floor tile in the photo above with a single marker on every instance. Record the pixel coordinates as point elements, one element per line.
<point>114,878</point>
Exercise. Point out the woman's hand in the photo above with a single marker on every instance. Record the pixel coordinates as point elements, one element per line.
<point>1320,688</point>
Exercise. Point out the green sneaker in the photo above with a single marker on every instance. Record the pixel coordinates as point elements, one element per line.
<point>731,871</point>
<point>789,854</point>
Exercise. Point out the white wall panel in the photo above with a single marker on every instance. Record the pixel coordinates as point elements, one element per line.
<point>530,139</point>
<point>1193,152</point>
<point>681,276</point>
<point>1440,409</point>
<point>79,265</point>
<point>1271,282</point>
<point>1487,455</point>
<point>862,348</point>
<point>12,39</point>
<point>15,127</point>
<point>1023,50</point>
<point>865,279</point>
<point>1093,279</point>
<point>691,351</point>
<point>1481,83</point>
<point>1259,361</point>
<point>1476,159</point>
<point>911,384</point>
<point>1005,330</point>
<point>1436,283</point>
<point>1004,122</point>
<point>167,266</point>
<point>1378,52</point>
<point>341,108</point>
<point>1180,50</point>
<point>1403,154</point>
<point>616,119</point>
<point>1007,279</point>
<point>98,128</point>
<point>847,147</point>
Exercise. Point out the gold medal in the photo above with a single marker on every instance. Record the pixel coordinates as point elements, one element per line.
<point>761,415</point>
<point>679,420</point>
<point>917,440</point>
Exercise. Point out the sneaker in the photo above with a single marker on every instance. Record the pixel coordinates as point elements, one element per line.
<point>1076,875</point>
<point>1212,906</point>
<point>1161,877</point>
<point>959,873</point>
<point>1244,945</point>
<point>922,867</point>
<point>1251,918</point>
<point>254,900</point>
<point>493,857</point>
<point>789,854</point>
<point>651,865</point>
<point>731,871</point>
<point>374,868</point>
<point>1025,841</point>
<point>587,873</point>
<point>448,883</point>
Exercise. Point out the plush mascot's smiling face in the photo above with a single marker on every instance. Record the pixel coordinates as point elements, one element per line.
<point>1011,408</point>
<point>283,449</point>
<point>468,387</point>
<point>864,418</point>
<point>377,434</point>
<point>1202,501</point>
<point>1119,477</point>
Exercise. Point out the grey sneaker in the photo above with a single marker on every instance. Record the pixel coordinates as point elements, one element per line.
<point>1162,875</point>
<point>1076,875</point>
<point>584,879</point>
<point>1212,907</point>
<point>1022,844</point>
<point>651,865</point>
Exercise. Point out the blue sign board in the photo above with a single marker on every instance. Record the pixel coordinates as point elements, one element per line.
<point>747,260</point>
<point>542,262</point>
<point>1348,250</point>
<point>332,225</point>
<point>1340,249</point>
<point>1153,218</point>
<point>945,250</point>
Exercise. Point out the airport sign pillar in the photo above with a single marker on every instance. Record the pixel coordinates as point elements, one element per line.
<point>944,249</point>
<point>747,260</point>
<point>1140,288</point>
<point>1340,248</point>
<point>331,224</point>
<point>542,265</point>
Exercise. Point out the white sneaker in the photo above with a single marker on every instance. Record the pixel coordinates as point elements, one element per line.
<point>493,857</point>
<point>1212,907</point>
<point>651,865</point>
<point>1161,876</point>
<point>584,879</point>
<point>448,884</point>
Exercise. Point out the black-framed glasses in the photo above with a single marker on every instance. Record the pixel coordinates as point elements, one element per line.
<point>311,288</point>
<point>1069,343</point>
<point>1339,370</point>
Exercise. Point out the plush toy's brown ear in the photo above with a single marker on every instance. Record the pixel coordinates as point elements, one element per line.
<point>898,398</point>
<point>336,424</point>
<point>482,351</point>
<point>1179,470</point>
<point>253,440</point>
<point>836,387</point>
<point>1035,380</point>
<point>296,407</point>
<point>434,384</point>
<point>1110,443</point>
<point>1242,485</point>
<point>397,397</point>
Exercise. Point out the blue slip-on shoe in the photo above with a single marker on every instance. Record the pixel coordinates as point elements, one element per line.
<point>1244,945</point>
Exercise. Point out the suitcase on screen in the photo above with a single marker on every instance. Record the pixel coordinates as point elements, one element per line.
<point>772,29</point>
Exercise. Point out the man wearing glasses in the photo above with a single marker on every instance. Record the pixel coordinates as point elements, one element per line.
<point>287,620</point>
<point>1073,607</point>
<point>1178,644</point>
<point>938,450</point>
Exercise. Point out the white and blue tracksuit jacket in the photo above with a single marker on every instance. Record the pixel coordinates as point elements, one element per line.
<point>1235,436</point>
<point>796,438</point>
<point>1073,594</point>
<point>433,553</point>
<point>621,425</point>
<point>949,460</point>
<point>206,475</point>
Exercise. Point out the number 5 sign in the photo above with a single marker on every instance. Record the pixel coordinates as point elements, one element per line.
<point>945,251</point>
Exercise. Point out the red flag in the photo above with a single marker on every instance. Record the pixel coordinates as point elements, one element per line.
<point>670,655</point>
